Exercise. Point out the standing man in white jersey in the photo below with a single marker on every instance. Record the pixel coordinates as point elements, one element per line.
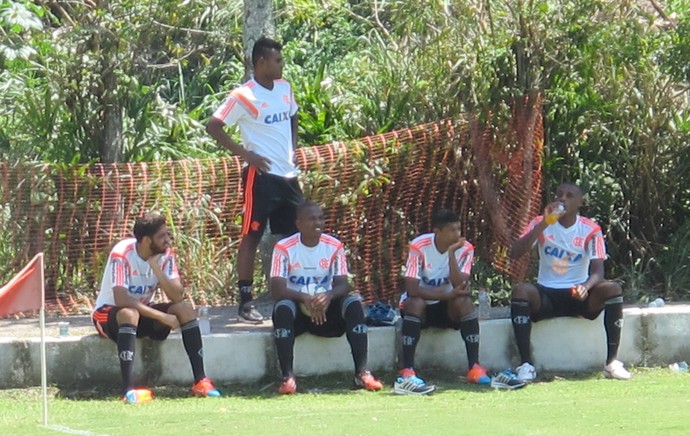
<point>437,274</point>
<point>570,281</point>
<point>136,268</point>
<point>310,286</point>
<point>265,110</point>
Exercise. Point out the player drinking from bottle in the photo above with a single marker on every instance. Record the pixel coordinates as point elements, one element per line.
<point>570,281</point>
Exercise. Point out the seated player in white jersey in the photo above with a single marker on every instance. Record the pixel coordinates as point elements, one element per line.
<point>438,294</point>
<point>311,290</point>
<point>136,268</point>
<point>570,281</point>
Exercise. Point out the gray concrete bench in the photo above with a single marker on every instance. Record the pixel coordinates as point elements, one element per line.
<point>651,336</point>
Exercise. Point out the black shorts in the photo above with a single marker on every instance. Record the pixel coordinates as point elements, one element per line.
<point>105,321</point>
<point>269,197</point>
<point>559,302</point>
<point>334,326</point>
<point>436,315</point>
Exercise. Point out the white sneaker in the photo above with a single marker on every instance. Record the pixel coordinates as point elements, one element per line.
<point>615,370</point>
<point>526,372</point>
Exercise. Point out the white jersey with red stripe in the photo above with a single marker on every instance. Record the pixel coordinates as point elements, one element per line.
<point>302,265</point>
<point>426,264</point>
<point>127,269</point>
<point>565,253</point>
<point>264,119</point>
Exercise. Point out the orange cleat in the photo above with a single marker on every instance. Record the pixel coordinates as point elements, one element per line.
<point>205,388</point>
<point>288,386</point>
<point>477,375</point>
<point>365,380</point>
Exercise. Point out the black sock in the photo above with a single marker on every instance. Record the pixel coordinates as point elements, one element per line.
<point>126,342</point>
<point>613,324</point>
<point>284,336</point>
<point>245,288</point>
<point>469,329</point>
<point>522,326</point>
<point>411,331</point>
<point>356,334</point>
<point>191,338</point>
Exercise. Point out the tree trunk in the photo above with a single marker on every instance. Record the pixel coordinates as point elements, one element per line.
<point>111,141</point>
<point>258,22</point>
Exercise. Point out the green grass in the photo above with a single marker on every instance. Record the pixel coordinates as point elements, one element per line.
<point>656,401</point>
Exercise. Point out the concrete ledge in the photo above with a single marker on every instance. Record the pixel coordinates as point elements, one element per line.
<point>651,336</point>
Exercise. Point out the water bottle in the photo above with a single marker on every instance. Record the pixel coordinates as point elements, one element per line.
<point>63,328</point>
<point>204,320</point>
<point>556,213</point>
<point>484,304</point>
<point>138,396</point>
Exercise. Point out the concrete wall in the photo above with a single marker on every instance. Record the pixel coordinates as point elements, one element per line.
<point>651,336</point>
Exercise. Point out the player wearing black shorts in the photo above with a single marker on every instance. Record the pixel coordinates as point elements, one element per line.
<point>437,294</point>
<point>265,110</point>
<point>136,268</point>
<point>310,286</point>
<point>570,280</point>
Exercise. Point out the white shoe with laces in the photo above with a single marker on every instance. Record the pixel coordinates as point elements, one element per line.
<point>526,372</point>
<point>616,370</point>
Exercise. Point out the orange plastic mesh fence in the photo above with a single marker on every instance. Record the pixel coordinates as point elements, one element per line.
<point>377,193</point>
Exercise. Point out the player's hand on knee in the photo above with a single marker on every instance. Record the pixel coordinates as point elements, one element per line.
<point>462,290</point>
<point>171,321</point>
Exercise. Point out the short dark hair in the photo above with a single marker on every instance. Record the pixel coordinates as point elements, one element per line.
<point>262,46</point>
<point>306,204</point>
<point>148,225</point>
<point>577,187</point>
<point>443,217</point>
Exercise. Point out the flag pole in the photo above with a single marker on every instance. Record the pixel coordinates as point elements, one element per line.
<point>44,372</point>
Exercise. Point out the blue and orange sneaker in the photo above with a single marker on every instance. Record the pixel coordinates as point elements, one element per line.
<point>407,383</point>
<point>477,375</point>
<point>138,396</point>
<point>205,388</point>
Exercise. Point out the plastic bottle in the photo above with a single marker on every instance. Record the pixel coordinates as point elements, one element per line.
<point>556,213</point>
<point>138,396</point>
<point>204,320</point>
<point>63,328</point>
<point>484,304</point>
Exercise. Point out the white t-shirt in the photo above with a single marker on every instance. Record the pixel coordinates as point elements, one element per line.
<point>565,253</point>
<point>426,264</point>
<point>302,265</point>
<point>126,269</point>
<point>263,117</point>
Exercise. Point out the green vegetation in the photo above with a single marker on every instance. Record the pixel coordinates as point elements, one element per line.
<point>82,83</point>
<point>652,403</point>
